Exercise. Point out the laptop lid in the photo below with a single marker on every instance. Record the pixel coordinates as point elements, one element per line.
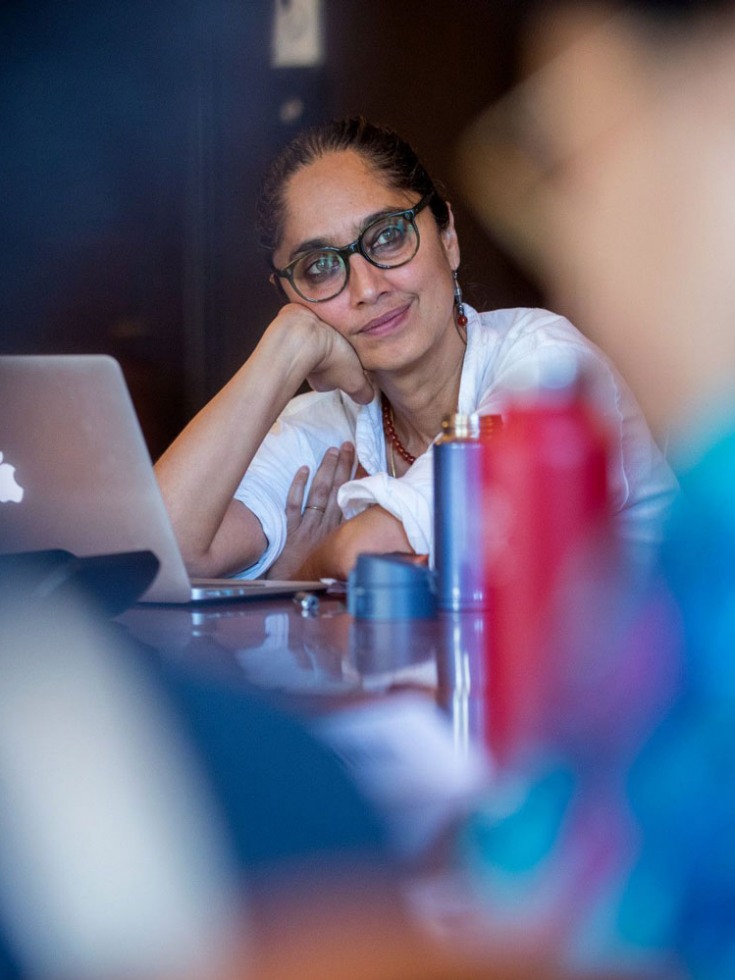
<point>75,473</point>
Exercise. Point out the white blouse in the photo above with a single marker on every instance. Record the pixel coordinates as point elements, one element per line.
<point>499,344</point>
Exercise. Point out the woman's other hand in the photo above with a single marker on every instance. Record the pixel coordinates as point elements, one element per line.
<point>308,522</point>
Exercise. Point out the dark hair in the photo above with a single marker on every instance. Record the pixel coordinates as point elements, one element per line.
<point>380,147</point>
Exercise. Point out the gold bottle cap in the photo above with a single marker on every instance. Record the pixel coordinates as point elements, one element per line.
<point>462,425</point>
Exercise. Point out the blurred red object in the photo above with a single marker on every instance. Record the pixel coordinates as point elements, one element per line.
<point>549,491</point>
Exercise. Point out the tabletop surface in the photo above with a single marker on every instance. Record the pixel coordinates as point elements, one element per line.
<point>401,699</point>
<point>274,645</point>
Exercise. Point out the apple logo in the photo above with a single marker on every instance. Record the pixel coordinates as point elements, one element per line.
<point>10,489</point>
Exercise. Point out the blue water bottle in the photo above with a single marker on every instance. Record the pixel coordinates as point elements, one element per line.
<point>461,491</point>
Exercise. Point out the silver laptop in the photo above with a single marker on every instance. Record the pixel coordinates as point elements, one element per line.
<point>75,473</point>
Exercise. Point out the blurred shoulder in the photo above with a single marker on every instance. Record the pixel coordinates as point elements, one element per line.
<point>524,323</point>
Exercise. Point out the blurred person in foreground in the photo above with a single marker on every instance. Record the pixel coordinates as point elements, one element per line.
<point>608,171</point>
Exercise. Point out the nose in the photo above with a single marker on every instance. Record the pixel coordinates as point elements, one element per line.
<point>366,281</point>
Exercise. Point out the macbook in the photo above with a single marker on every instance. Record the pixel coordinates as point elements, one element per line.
<point>75,474</point>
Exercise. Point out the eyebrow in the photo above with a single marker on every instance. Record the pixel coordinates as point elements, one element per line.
<point>313,244</point>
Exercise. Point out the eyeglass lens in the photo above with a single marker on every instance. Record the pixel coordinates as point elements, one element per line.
<point>388,242</point>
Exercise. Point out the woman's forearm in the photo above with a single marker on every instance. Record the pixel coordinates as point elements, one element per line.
<point>374,531</point>
<point>199,473</point>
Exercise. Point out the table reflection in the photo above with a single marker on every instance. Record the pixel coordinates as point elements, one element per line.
<point>276,646</point>
<point>462,676</point>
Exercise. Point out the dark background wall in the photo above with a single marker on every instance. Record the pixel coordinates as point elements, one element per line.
<point>132,139</point>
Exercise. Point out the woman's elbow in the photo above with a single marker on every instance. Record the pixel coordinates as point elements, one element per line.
<point>221,559</point>
<point>203,564</point>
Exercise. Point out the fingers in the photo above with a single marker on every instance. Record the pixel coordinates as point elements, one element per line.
<point>329,359</point>
<point>321,485</point>
<point>346,374</point>
<point>334,469</point>
<point>318,349</point>
<point>295,498</point>
<point>362,391</point>
<point>340,367</point>
<point>321,504</point>
<point>310,518</point>
<point>342,472</point>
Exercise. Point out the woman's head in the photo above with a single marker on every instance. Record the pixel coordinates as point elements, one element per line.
<point>349,205</point>
<point>383,150</point>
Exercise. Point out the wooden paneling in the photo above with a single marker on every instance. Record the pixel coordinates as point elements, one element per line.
<point>134,137</point>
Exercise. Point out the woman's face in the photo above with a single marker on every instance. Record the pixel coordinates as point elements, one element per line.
<point>390,316</point>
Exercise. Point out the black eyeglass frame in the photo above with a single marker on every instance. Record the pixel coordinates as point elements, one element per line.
<point>357,246</point>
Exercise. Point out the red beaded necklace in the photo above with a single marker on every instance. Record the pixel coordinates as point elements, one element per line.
<point>390,432</point>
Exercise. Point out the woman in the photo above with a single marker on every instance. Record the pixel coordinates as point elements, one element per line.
<point>379,330</point>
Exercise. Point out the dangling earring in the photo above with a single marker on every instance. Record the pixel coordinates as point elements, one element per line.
<point>459,313</point>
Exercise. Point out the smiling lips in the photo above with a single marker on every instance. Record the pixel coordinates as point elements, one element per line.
<point>387,322</point>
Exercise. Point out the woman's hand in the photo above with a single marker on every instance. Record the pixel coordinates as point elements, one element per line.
<point>330,361</point>
<point>308,523</point>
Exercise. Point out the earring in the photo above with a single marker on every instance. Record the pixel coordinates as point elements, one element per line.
<point>459,313</point>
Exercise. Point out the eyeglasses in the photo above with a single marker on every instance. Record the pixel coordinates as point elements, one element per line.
<point>387,242</point>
